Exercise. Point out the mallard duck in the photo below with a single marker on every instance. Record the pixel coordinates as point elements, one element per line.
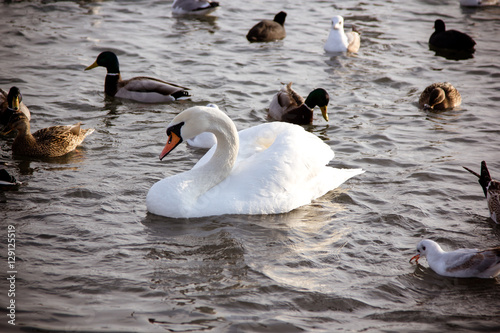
<point>11,102</point>
<point>194,7</point>
<point>270,168</point>
<point>48,142</point>
<point>267,30</point>
<point>339,41</point>
<point>450,39</point>
<point>462,263</point>
<point>290,107</point>
<point>439,96</point>
<point>491,189</point>
<point>140,89</point>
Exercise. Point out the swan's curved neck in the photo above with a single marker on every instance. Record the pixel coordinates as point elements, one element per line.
<point>221,163</point>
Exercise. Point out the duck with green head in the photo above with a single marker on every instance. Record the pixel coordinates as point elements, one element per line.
<point>11,102</point>
<point>141,88</point>
<point>288,106</point>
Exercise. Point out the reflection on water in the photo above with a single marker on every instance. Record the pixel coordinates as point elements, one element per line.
<point>452,54</point>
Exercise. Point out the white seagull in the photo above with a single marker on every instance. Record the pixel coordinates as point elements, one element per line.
<point>339,41</point>
<point>194,7</point>
<point>462,263</point>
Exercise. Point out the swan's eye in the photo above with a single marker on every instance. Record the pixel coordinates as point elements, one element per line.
<point>423,248</point>
<point>174,129</point>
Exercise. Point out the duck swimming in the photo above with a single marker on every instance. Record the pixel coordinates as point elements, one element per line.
<point>266,169</point>
<point>439,96</point>
<point>11,102</point>
<point>47,142</point>
<point>289,106</point>
<point>267,30</point>
<point>141,89</point>
<point>450,39</point>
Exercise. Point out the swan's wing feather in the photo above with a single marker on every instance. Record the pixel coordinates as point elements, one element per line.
<point>282,163</point>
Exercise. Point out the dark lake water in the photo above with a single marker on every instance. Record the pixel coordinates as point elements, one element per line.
<point>90,258</point>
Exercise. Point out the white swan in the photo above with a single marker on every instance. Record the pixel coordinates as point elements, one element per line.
<point>266,169</point>
<point>338,40</point>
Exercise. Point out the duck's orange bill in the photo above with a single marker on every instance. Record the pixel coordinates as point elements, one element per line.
<point>416,257</point>
<point>173,141</point>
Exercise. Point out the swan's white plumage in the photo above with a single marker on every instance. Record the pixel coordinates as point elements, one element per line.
<point>205,139</point>
<point>279,167</point>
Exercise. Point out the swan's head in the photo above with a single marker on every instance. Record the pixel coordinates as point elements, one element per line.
<point>191,122</point>
<point>338,22</point>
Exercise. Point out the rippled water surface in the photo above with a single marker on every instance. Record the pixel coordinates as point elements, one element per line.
<point>91,258</point>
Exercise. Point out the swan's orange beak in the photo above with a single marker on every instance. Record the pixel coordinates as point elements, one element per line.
<point>173,141</point>
<point>416,257</point>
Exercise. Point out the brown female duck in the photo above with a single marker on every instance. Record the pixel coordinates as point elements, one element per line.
<point>48,142</point>
<point>439,96</point>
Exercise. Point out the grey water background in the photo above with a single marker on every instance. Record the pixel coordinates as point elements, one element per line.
<point>91,259</point>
